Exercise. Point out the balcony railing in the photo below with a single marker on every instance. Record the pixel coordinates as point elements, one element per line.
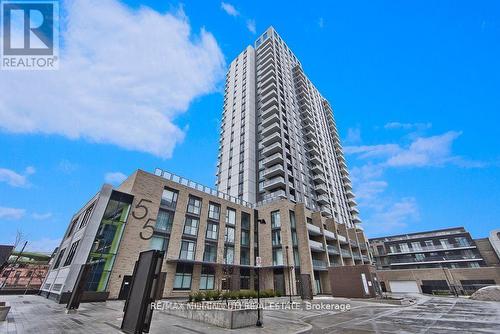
<point>333,250</point>
<point>313,229</point>
<point>329,235</point>
<point>432,248</point>
<point>316,245</point>
<point>345,253</point>
<point>445,258</point>
<point>319,264</point>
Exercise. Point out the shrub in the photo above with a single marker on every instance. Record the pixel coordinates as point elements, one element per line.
<point>198,296</point>
<point>278,294</point>
<point>217,295</point>
<point>190,298</point>
<point>226,295</point>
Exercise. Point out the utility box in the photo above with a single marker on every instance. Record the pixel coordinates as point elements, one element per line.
<point>358,281</point>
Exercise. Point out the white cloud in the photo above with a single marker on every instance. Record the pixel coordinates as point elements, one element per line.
<point>16,179</point>
<point>11,213</point>
<point>393,217</point>
<point>114,177</point>
<point>430,151</point>
<point>251,26</point>
<point>41,216</point>
<point>229,9</point>
<point>353,135</point>
<point>370,189</point>
<point>43,245</point>
<point>321,22</point>
<point>124,76</point>
<point>408,126</point>
<point>67,167</point>
<point>373,151</point>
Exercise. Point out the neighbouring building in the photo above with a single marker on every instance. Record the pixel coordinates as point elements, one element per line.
<point>26,270</point>
<point>447,259</point>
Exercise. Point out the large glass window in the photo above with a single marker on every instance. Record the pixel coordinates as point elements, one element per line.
<point>462,242</point>
<point>245,221</point>
<point>183,276</point>
<point>59,258</point>
<point>210,254</point>
<point>276,237</point>
<point>159,243</point>
<point>214,211</point>
<point>416,246</point>
<point>245,256</point>
<point>207,278</point>
<point>245,238</point>
<point>71,253</point>
<point>212,231</point>
<point>169,198</point>
<point>293,223</point>
<point>194,205</point>
<point>229,234</point>
<point>230,216</point>
<point>244,278</point>
<point>275,219</point>
<point>277,257</point>
<point>228,255</point>
<point>164,221</point>
<point>187,250</point>
<point>191,226</point>
<point>86,215</point>
<point>404,247</point>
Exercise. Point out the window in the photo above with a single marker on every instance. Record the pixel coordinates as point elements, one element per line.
<point>228,255</point>
<point>71,253</point>
<point>404,247</point>
<point>207,278</point>
<point>72,226</point>
<point>229,234</point>
<point>245,221</point>
<point>169,198</point>
<point>210,254</point>
<point>295,240</point>
<point>245,256</point>
<point>59,258</point>
<point>214,211</point>
<point>191,226</point>
<point>462,242</point>
<point>416,246</point>
<point>277,257</point>
<point>187,250</point>
<point>419,257</point>
<point>293,223</point>
<point>276,237</point>
<point>212,229</point>
<point>164,221</point>
<point>86,216</point>
<point>230,216</point>
<point>159,243</point>
<point>245,238</point>
<point>194,205</point>
<point>244,278</point>
<point>275,219</point>
<point>392,249</point>
<point>429,243</point>
<point>183,275</point>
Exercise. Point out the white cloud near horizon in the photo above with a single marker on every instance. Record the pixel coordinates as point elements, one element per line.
<point>408,126</point>
<point>114,178</point>
<point>16,179</point>
<point>124,76</point>
<point>11,213</point>
<point>252,26</point>
<point>229,9</point>
<point>41,216</point>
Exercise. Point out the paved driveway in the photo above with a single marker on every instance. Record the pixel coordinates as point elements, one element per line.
<point>435,315</point>
<point>34,314</point>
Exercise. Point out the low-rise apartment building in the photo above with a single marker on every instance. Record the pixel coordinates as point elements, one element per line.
<point>210,239</point>
<point>446,259</point>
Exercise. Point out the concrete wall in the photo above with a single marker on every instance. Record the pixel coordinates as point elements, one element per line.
<point>347,281</point>
<point>453,276</point>
<point>487,251</point>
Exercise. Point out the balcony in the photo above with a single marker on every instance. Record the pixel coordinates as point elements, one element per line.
<point>266,75</point>
<point>326,211</point>
<point>423,249</point>
<point>274,183</point>
<point>436,259</point>
<point>273,171</point>
<point>273,160</point>
<point>349,194</point>
<point>365,258</point>
<point>323,199</point>
<point>329,235</point>
<point>313,150</point>
<point>319,178</point>
<point>354,210</point>
<point>357,221</point>
<point>316,246</point>
<point>347,185</point>
<point>356,256</point>
<point>345,253</point>
<point>313,229</point>
<point>333,250</point>
<point>268,112</point>
<point>317,169</point>
<point>269,103</point>
<point>269,120</point>
<point>342,239</point>
<point>268,96</point>
<point>272,149</point>
<point>310,142</point>
<point>274,127</point>
<point>319,264</point>
<point>315,159</point>
<point>321,189</point>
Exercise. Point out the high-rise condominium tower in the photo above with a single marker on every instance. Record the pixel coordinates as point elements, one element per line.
<point>278,136</point>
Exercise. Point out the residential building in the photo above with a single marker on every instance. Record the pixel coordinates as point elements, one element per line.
<point>278,135</point>
<point>210,240</point>
<point>446,259</point>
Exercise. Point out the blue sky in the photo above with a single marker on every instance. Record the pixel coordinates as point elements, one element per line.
<point>414,85</point>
